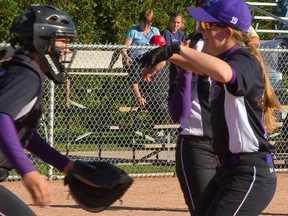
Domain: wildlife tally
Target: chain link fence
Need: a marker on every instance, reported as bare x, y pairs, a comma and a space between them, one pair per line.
275, 55
95, 116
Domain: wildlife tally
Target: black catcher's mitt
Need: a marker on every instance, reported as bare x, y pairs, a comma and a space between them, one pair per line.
97, 185
159, 54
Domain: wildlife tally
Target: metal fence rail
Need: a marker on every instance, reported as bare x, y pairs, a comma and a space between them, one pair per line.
95, 115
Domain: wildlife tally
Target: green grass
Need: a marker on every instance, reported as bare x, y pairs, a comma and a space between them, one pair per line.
135, 169
131, 169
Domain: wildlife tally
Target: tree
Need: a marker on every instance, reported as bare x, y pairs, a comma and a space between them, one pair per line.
103, 21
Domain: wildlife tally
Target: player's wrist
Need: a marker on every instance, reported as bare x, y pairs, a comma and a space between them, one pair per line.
126, 57
69, 166
175, 47
138, 96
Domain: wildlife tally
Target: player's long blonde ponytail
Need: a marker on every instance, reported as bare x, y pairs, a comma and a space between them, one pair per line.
269, 102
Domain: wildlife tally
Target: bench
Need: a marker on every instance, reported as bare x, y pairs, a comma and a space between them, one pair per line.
103, 63
269, 4
281, 154
105, 60
151, 147
268, 17
154, 148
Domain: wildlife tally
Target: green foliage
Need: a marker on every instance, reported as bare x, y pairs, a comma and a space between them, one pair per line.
81, 11
101, 21
7, 12
106, 21
115, 17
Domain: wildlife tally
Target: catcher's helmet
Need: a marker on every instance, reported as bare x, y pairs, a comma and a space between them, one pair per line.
37, 27
157, 40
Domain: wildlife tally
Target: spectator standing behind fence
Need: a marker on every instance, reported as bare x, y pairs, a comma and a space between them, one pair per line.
242, 108
173, 33
282, 11
154, 100
254, 37
21, 101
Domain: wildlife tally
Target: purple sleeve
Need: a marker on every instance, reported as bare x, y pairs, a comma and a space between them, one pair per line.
179, 102
39, 147
11, 146
233, 78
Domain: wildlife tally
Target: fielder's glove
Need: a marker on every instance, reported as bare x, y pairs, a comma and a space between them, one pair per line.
159, 54
97, 185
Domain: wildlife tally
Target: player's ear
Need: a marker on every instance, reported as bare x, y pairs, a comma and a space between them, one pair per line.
229, 32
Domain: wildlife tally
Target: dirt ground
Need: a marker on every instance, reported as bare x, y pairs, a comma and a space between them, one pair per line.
147, 196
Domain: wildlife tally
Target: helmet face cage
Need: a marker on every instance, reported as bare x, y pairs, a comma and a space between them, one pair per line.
38, 27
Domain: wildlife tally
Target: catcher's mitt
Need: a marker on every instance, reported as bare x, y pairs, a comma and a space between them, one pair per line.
97, 185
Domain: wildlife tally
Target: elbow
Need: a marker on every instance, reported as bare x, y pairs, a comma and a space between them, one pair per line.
225, 77
224, 73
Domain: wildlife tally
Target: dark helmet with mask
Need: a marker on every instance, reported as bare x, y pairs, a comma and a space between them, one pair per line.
38, 27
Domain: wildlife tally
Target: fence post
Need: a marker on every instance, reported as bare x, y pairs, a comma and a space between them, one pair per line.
50, 140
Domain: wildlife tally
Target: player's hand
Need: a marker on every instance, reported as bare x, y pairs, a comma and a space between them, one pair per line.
128, 61
69, 166
148, 73
141, 102
38, 187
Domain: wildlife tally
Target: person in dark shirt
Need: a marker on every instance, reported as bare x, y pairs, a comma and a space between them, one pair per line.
146, 96
39, 36
242, 104
173, 34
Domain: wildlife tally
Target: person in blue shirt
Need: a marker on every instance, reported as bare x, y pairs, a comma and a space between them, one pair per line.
147, 98
139, 35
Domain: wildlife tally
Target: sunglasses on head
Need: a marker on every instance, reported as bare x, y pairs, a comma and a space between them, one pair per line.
208, 25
